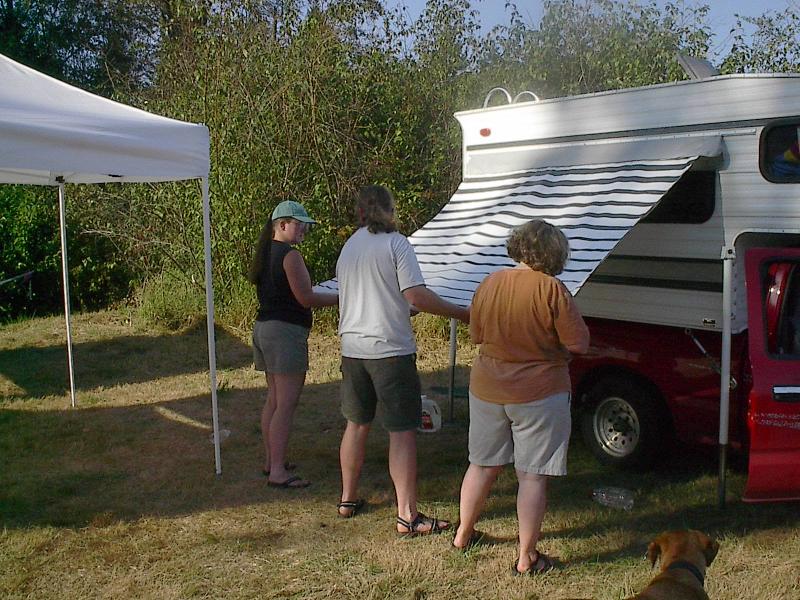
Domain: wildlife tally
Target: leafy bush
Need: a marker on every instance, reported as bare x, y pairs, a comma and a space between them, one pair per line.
170, 300
29, 230
31, 243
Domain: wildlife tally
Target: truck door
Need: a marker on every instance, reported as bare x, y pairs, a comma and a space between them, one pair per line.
773, 305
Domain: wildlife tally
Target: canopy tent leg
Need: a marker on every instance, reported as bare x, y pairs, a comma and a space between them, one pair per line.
728, 255
452, 391
212, 356
62, 209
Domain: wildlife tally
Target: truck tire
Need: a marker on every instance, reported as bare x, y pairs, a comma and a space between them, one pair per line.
620, 424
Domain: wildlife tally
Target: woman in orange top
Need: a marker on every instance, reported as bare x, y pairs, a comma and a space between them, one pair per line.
527, 325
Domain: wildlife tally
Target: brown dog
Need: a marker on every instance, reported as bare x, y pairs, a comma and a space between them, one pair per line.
685, 556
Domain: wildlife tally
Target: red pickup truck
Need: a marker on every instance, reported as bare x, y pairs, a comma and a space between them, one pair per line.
642, 384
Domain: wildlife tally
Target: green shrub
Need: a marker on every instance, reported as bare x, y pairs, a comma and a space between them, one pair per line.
29, 228
236, 304
171, 300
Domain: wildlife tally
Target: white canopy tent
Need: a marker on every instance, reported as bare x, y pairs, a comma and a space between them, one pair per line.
52, 134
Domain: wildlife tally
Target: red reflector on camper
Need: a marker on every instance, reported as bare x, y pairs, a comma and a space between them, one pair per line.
486, 132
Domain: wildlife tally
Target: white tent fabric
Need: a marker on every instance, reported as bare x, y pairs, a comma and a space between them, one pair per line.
52, 133
51, 129
595, 193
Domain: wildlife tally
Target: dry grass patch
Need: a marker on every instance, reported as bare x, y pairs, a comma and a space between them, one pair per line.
118, 498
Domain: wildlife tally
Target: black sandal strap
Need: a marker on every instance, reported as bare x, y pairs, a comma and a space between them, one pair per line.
410, 526
420, 519
351, 507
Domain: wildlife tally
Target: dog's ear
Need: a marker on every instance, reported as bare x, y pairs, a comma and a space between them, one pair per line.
653, 551
710, 546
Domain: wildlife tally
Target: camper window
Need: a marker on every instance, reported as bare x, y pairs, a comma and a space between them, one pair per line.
779, 155
690, 200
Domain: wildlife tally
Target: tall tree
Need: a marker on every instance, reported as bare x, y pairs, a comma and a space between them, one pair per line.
102, 45
586, 46
773, 46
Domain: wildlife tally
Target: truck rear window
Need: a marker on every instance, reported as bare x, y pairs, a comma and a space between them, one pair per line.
779, 154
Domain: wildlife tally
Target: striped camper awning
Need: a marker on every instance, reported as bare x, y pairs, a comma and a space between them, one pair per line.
595, 194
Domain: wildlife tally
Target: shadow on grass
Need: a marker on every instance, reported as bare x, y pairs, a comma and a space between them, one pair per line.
41, 371
679, 493
97, 466
80, 467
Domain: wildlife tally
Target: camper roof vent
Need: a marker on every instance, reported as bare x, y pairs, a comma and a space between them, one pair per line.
697, 68
507, 95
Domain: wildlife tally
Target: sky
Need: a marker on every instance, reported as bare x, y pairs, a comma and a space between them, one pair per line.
721, 16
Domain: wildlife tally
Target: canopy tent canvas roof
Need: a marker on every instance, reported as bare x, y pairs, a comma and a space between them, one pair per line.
52, 133
51, 129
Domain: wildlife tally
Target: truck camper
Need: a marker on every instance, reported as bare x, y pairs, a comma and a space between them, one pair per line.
682, 205
681, 202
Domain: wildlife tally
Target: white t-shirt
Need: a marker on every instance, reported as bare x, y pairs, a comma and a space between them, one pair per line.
373, 270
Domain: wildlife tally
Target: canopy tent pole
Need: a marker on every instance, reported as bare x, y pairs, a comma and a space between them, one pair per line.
453, 332
728, 255
65, 277
212, 357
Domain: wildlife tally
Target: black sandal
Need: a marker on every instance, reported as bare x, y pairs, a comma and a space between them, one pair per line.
352, 507
294, 482
413, 527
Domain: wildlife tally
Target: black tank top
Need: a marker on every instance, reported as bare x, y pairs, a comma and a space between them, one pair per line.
275, 297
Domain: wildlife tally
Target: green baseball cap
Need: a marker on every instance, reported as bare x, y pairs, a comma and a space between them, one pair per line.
289, 209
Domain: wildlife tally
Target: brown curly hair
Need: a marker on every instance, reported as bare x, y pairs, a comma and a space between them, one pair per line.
376, 204
540, 245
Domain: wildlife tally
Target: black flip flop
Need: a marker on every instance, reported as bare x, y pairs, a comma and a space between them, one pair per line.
287, 485
354, 506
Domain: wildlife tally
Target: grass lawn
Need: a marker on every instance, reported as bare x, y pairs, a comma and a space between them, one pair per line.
118, 497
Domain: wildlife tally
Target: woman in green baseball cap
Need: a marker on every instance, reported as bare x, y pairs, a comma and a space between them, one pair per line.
280, 333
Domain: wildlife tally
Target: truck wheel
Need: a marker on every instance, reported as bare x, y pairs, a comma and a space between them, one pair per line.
620, 424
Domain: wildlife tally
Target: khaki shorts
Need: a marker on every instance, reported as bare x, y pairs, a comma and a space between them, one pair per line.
534, 436
393, 381
280, 347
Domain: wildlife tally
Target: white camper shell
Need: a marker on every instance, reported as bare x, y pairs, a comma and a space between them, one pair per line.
667, 273
681, 202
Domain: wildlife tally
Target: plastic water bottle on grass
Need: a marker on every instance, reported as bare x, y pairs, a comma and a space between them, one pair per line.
615, 497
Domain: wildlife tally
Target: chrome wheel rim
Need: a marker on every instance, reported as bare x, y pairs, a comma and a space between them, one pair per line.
616, 427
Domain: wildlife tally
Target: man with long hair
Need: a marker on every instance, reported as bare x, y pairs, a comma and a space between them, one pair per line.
379, 277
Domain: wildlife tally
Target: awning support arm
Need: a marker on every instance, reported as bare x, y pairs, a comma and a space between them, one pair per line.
452, 392
728, 256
